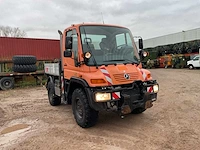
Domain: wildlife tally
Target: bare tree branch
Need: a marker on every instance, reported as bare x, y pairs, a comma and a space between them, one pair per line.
7, 31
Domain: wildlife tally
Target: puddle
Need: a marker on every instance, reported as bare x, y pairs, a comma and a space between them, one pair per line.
14, 128
18, 130
11, 134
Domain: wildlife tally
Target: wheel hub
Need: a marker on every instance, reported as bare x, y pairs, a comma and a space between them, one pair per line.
6, 83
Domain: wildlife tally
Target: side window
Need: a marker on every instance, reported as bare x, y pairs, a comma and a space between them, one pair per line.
75, 46
196, 58
73, 34
68, 34
120, 39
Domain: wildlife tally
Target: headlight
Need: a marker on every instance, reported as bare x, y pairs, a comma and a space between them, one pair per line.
102, 97
145, 54
155, 88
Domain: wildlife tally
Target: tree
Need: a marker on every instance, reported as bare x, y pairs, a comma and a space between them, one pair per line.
7, 31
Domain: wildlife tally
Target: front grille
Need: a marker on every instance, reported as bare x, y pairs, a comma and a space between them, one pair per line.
120, 77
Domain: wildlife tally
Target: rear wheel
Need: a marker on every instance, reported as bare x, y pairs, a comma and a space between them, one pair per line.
138, 110
54, 100
84, 115
7, 83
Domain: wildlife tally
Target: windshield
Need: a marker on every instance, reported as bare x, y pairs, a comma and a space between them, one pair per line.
196, 58
108, 45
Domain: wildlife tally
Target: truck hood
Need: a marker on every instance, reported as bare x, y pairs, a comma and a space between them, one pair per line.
189, 62
119, 74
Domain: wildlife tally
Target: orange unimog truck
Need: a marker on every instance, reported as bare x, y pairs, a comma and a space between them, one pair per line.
99, 70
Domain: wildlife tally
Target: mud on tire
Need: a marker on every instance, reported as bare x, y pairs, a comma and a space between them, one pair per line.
24, 60
84, 115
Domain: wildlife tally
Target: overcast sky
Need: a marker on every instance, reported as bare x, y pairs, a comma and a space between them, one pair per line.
146, 18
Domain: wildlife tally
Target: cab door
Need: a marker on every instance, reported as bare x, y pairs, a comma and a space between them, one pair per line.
71, 63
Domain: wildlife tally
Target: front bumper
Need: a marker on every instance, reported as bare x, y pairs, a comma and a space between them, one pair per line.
132, 101
131, 96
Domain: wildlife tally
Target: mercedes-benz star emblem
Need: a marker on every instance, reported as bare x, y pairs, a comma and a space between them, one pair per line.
126, 76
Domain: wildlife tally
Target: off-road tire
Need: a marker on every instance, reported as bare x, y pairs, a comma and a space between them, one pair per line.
24, 68
7, 83
84, 115
24, 60
54, 100
138, 110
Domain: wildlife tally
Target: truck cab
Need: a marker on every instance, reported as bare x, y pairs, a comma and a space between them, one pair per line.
100, 70
194, 62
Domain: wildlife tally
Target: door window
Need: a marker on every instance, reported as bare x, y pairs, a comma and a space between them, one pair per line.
196, 58
74, 49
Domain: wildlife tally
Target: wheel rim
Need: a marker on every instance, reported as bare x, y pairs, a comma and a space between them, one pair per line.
190, 67
79, 108
7, 83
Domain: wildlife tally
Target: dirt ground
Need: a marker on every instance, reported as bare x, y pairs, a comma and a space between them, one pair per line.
27, 121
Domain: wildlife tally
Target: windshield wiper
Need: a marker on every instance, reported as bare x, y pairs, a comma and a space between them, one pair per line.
130, 61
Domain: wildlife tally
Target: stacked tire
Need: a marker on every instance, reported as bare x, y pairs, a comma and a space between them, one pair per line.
24, 63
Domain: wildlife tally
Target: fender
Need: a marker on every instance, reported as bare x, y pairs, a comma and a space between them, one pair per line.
79, 81
50, 79
74, 83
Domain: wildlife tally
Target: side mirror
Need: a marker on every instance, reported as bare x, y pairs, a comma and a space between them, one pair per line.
67, 53
68, 43
140, 44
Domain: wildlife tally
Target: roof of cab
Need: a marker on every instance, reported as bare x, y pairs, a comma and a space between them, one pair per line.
96, 24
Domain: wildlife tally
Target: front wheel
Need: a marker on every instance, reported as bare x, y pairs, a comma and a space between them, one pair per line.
138, 110
84, 115
191, 67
